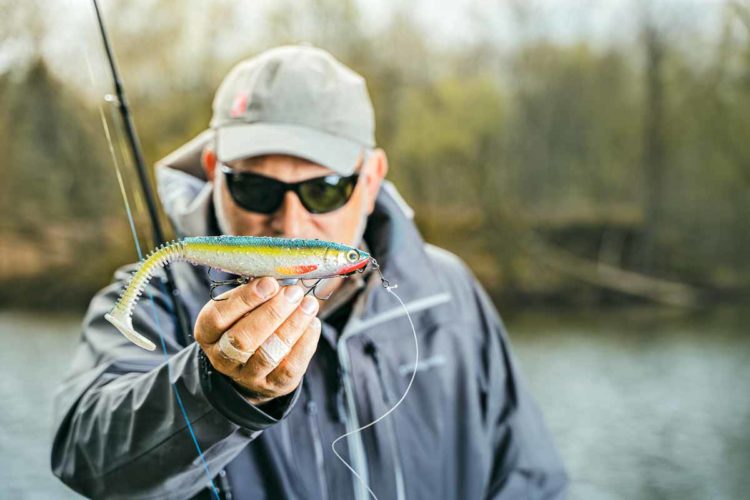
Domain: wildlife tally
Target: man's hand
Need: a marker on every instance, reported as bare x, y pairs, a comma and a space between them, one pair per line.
275, 326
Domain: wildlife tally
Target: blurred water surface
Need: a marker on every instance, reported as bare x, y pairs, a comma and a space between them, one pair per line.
643, 404
36, 353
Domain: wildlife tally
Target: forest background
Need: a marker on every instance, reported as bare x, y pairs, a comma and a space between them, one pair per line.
572, 154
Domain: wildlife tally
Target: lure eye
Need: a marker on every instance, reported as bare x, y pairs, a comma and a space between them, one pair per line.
352, 256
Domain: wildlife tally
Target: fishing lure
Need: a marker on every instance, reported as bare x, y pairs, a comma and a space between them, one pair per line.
247, 256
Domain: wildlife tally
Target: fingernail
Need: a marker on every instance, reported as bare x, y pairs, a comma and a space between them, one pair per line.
266, 287
293, 293
309, 305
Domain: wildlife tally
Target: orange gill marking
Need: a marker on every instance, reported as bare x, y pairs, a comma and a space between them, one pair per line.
295, 270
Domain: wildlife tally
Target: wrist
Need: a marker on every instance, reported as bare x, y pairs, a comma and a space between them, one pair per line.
272, 406
251, 396
227, 399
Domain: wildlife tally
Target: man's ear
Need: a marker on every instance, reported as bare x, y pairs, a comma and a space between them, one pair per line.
375, 172
208, 160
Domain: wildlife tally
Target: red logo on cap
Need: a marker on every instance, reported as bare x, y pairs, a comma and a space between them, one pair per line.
239, 105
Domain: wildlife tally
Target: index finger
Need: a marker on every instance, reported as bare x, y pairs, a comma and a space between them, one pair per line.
217, 316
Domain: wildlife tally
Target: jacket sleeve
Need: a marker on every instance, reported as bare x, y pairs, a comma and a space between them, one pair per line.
121, 416
526, 464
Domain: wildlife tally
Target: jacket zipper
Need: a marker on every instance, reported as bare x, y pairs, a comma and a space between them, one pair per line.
388, 400
311, 409
355, 327
354, 440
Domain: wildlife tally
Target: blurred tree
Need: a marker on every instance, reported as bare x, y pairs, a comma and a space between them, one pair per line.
55, 168
704, 236
575, 142
654, 161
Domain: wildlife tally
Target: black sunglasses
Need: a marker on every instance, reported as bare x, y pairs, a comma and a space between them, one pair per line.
258, 193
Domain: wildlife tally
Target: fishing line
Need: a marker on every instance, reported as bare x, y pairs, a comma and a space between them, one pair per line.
389, 288
155, 316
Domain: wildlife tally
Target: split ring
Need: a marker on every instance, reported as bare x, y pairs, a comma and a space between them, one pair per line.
231, 352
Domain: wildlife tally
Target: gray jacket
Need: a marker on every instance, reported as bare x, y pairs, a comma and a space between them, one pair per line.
468, 428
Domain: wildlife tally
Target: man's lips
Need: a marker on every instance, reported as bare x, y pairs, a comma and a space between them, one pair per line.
354, 267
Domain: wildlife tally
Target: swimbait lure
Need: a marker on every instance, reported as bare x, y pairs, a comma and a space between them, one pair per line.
246, 256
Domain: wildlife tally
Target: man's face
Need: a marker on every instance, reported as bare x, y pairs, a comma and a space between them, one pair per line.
292, 220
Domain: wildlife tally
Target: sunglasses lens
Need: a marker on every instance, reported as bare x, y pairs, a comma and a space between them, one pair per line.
255, 193
265, 195
326, 194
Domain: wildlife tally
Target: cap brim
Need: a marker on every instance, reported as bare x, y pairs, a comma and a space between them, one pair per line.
256, 139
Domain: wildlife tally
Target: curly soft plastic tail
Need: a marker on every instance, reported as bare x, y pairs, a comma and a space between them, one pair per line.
121, 315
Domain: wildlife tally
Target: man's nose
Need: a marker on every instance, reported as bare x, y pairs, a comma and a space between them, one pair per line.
288, 219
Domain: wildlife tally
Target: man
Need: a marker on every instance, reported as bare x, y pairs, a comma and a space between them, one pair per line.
273, 378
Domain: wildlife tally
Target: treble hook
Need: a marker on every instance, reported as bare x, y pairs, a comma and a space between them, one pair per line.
217, 283
314, 289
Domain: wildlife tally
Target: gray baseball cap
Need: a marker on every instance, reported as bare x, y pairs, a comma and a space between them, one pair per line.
296, 100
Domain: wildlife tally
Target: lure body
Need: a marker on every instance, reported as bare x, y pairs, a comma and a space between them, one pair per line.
249, 256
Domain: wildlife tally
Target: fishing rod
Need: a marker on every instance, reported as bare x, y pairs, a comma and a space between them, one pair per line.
182, 326
135, 148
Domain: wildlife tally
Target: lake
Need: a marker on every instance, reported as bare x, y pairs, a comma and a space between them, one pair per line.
643, 403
